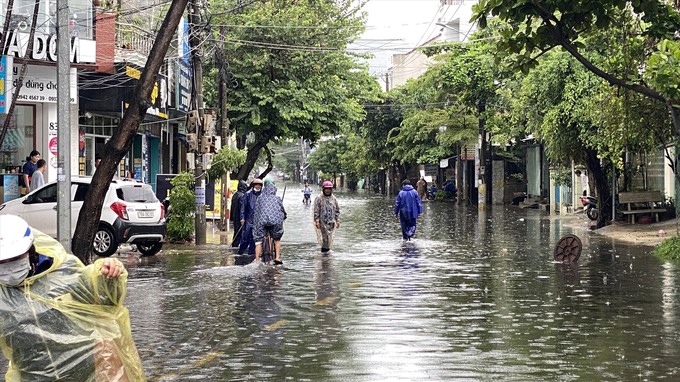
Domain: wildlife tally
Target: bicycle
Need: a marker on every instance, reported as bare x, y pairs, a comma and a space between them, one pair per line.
268, 249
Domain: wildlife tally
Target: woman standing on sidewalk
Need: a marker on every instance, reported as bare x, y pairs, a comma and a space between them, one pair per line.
326, 216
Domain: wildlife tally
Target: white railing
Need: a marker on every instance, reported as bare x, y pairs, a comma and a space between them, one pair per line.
133, 38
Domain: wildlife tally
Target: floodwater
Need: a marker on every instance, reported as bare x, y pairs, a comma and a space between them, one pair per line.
475, 297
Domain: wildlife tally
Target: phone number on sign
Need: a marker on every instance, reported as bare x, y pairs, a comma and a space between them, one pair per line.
39, 98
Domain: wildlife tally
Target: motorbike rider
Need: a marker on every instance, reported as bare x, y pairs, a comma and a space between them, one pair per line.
307, 194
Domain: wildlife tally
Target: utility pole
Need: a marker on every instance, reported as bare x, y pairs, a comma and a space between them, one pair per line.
196, 53
63, 126
224, 131
483, 170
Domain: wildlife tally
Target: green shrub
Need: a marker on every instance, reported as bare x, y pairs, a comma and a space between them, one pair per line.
669, 249
182, 208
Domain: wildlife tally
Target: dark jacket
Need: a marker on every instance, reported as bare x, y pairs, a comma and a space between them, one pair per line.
408, 203
235, 210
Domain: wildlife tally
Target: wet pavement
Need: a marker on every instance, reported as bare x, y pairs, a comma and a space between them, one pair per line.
473, 297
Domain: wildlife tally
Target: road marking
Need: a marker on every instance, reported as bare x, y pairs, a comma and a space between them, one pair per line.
193, 365
325, 301
275, 325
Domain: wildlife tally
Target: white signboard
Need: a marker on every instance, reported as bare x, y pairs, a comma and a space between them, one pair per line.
40, 84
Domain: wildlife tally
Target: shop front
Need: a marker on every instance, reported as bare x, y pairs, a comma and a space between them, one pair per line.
103, 101
33, 122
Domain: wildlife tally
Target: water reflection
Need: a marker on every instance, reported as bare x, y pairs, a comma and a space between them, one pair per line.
474, 297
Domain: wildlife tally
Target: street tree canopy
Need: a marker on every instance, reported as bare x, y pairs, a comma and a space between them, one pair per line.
537, 26
291, 74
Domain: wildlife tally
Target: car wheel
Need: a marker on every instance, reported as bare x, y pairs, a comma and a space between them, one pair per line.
104, 244
149, 249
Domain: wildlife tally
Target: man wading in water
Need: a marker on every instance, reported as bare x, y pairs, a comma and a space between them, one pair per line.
326, 213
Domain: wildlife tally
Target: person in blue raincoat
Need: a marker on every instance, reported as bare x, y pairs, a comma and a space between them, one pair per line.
247, 217
407, 207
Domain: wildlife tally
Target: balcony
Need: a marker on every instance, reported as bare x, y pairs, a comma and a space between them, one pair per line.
133, 43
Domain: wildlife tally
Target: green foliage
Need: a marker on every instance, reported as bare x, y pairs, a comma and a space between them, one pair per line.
226, 160
669, 249
327, 156
561, 176
182, 205
540, 25
294, 77
663, 72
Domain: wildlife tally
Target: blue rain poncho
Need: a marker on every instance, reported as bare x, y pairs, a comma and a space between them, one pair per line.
67, 323
408, 204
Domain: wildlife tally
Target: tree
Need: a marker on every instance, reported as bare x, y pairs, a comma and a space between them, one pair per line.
294, 78
119, 144
327, 158
537, 26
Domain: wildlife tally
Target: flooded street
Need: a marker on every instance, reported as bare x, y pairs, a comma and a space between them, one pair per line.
474, 297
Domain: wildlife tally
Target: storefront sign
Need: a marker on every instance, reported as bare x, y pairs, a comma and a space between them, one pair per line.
44, 46
40, 84
183, 89
5, 81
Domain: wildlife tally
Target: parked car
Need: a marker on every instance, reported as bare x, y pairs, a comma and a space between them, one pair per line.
130, 214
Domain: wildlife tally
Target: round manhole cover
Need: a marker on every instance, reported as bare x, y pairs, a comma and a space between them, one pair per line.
568, 249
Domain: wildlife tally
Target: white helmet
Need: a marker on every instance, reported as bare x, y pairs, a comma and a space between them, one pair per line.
16, 237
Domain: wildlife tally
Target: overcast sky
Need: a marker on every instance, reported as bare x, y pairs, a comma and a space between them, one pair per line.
397, 26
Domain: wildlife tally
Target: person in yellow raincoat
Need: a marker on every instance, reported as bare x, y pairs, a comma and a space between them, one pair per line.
61, 320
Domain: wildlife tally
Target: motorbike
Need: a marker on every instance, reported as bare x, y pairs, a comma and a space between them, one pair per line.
590, 206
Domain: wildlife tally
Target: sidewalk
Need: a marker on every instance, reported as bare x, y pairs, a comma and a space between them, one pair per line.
640, 234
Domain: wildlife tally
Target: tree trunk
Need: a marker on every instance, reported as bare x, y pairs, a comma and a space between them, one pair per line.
251, 159
24, 66
119, 144
604, 192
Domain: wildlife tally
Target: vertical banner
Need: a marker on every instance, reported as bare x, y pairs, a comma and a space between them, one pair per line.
146, 178
6, 65
52, 149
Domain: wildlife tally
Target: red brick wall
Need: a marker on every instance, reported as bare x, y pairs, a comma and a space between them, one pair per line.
105, 35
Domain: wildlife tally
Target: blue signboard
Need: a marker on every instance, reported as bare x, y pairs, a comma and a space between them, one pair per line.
183, 90
6, 63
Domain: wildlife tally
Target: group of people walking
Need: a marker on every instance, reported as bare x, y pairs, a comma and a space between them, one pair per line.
259, 211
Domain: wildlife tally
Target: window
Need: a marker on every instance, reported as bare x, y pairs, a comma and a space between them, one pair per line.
137, 194
81, 191
46, 195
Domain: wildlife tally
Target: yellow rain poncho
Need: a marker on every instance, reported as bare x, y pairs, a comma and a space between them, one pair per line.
67, 323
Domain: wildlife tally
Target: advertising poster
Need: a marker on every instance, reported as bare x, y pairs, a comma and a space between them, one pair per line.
10, 186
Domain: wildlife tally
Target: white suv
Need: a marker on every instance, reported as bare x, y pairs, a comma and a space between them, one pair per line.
131, 214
